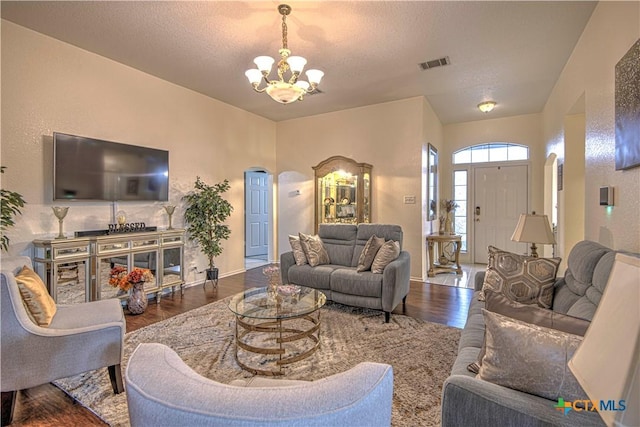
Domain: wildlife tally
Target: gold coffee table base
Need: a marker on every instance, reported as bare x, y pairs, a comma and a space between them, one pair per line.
282, 335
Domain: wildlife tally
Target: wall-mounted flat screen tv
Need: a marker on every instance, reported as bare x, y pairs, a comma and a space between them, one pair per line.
92, 169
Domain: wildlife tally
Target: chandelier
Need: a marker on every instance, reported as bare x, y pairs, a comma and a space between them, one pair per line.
283, 90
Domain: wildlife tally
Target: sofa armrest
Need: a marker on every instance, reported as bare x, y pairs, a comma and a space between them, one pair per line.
468, 401
395, 281
478, 280
286, 261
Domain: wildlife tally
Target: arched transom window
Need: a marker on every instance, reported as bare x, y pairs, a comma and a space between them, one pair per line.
493, 152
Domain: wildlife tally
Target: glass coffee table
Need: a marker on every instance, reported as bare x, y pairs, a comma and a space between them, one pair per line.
276, 328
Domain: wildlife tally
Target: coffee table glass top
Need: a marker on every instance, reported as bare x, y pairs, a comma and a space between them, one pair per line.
259, 303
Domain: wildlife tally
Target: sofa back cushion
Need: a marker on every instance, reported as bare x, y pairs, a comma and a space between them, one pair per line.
365, 231
585, 306
339, 241
581, 264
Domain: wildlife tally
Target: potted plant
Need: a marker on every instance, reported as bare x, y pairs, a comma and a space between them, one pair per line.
206, 210
10, 207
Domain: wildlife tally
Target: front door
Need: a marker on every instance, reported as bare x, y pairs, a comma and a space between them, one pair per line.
501, 195
256, 214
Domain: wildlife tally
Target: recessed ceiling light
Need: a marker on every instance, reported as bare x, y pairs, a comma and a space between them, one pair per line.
486, 106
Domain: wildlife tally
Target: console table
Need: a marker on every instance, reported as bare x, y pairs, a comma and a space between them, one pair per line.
443, 264
90, 260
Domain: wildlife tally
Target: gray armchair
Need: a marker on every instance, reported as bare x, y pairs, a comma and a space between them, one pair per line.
163, 390
80, 338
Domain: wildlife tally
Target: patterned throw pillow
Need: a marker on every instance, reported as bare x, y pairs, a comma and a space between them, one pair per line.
40, 306
298, 252
314, 250
369, 253
529, 358
387, 253
520, 278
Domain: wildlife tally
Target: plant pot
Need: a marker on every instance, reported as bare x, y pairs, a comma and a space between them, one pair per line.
212, 275
137, 301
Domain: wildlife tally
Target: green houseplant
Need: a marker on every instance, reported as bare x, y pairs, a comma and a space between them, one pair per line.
205, 213
10, 207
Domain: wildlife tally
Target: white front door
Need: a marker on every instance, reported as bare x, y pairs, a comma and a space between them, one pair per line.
501, 195
256, 214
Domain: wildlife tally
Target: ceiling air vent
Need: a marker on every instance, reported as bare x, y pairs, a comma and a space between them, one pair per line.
315, 92
434, 63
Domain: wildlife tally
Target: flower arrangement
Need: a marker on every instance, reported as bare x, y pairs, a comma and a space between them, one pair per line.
449, 205
119, 277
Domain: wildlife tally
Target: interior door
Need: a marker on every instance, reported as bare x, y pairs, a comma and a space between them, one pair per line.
501, 195
256, 214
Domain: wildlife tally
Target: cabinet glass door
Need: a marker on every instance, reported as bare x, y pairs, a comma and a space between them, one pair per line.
172, 265
103, 274
71, 284
148, 260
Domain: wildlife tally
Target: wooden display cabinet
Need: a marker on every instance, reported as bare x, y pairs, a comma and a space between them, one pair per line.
342, 191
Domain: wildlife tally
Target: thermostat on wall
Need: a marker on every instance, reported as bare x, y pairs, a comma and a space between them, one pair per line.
606, 196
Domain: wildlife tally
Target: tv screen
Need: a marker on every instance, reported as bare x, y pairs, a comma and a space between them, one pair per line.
92, 169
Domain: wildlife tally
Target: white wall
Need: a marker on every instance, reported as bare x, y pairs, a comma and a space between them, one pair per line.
611, 31
48, 86
389, 136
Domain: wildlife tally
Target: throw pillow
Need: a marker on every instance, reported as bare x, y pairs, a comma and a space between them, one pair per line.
298, 252
369, 253
314, 250
529, 358
524, 279
39, 304
389, 251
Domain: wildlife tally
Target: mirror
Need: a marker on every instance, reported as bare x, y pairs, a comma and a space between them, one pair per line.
432, 183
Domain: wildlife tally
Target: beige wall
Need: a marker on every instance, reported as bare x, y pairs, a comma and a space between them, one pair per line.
389, 136
48, 86
611, 31
571, 205
524, 129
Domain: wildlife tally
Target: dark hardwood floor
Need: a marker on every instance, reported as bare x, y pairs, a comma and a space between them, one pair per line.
46, 405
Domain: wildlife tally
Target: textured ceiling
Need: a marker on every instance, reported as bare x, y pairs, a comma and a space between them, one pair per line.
510, 52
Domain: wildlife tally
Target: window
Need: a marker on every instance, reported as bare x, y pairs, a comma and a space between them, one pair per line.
494, 152
460, 196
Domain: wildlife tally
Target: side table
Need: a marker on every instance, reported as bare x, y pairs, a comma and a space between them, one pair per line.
435, 266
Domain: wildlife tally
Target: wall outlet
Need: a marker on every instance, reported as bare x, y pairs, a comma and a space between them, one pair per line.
193, 266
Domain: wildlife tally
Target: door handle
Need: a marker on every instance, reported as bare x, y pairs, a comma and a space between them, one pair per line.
477, 210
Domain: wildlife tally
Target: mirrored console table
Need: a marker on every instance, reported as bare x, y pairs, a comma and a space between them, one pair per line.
77, 270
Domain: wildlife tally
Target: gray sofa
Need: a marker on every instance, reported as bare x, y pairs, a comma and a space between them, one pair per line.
340, 281
469, 401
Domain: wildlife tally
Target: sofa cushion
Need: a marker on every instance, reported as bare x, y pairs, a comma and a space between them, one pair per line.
365, 231
40, 306
581, 263
529, 358
349, 281
369, 253
389, 251
524, 279
314, 277
298, 252
314, 250
339, 241
498, 303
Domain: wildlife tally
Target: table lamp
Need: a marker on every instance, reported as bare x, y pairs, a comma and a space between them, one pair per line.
606, 364
533, 229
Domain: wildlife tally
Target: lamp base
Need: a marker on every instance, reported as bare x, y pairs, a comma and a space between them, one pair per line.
534, 250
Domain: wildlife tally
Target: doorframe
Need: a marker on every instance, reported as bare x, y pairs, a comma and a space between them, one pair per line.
469, 255
271, 204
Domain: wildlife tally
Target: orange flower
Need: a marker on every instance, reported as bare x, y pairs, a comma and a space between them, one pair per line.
119, 277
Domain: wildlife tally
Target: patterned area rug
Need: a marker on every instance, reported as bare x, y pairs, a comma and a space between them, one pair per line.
420, 352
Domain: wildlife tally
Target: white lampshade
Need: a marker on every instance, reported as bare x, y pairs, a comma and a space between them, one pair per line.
264, 63
253, 75
533, 229
314, 76
304, 85
296, 63
606, 364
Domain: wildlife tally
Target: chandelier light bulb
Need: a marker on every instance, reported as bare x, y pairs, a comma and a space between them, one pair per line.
287, 88
486, 106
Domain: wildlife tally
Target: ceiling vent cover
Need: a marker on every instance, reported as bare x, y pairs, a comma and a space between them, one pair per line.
440, 62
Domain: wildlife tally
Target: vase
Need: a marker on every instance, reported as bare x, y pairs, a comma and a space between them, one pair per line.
137, 301
448, 225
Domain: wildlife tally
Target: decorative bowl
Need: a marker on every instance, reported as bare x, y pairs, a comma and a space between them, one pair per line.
288, 290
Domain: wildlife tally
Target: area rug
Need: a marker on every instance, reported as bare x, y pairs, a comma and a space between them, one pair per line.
420, 352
